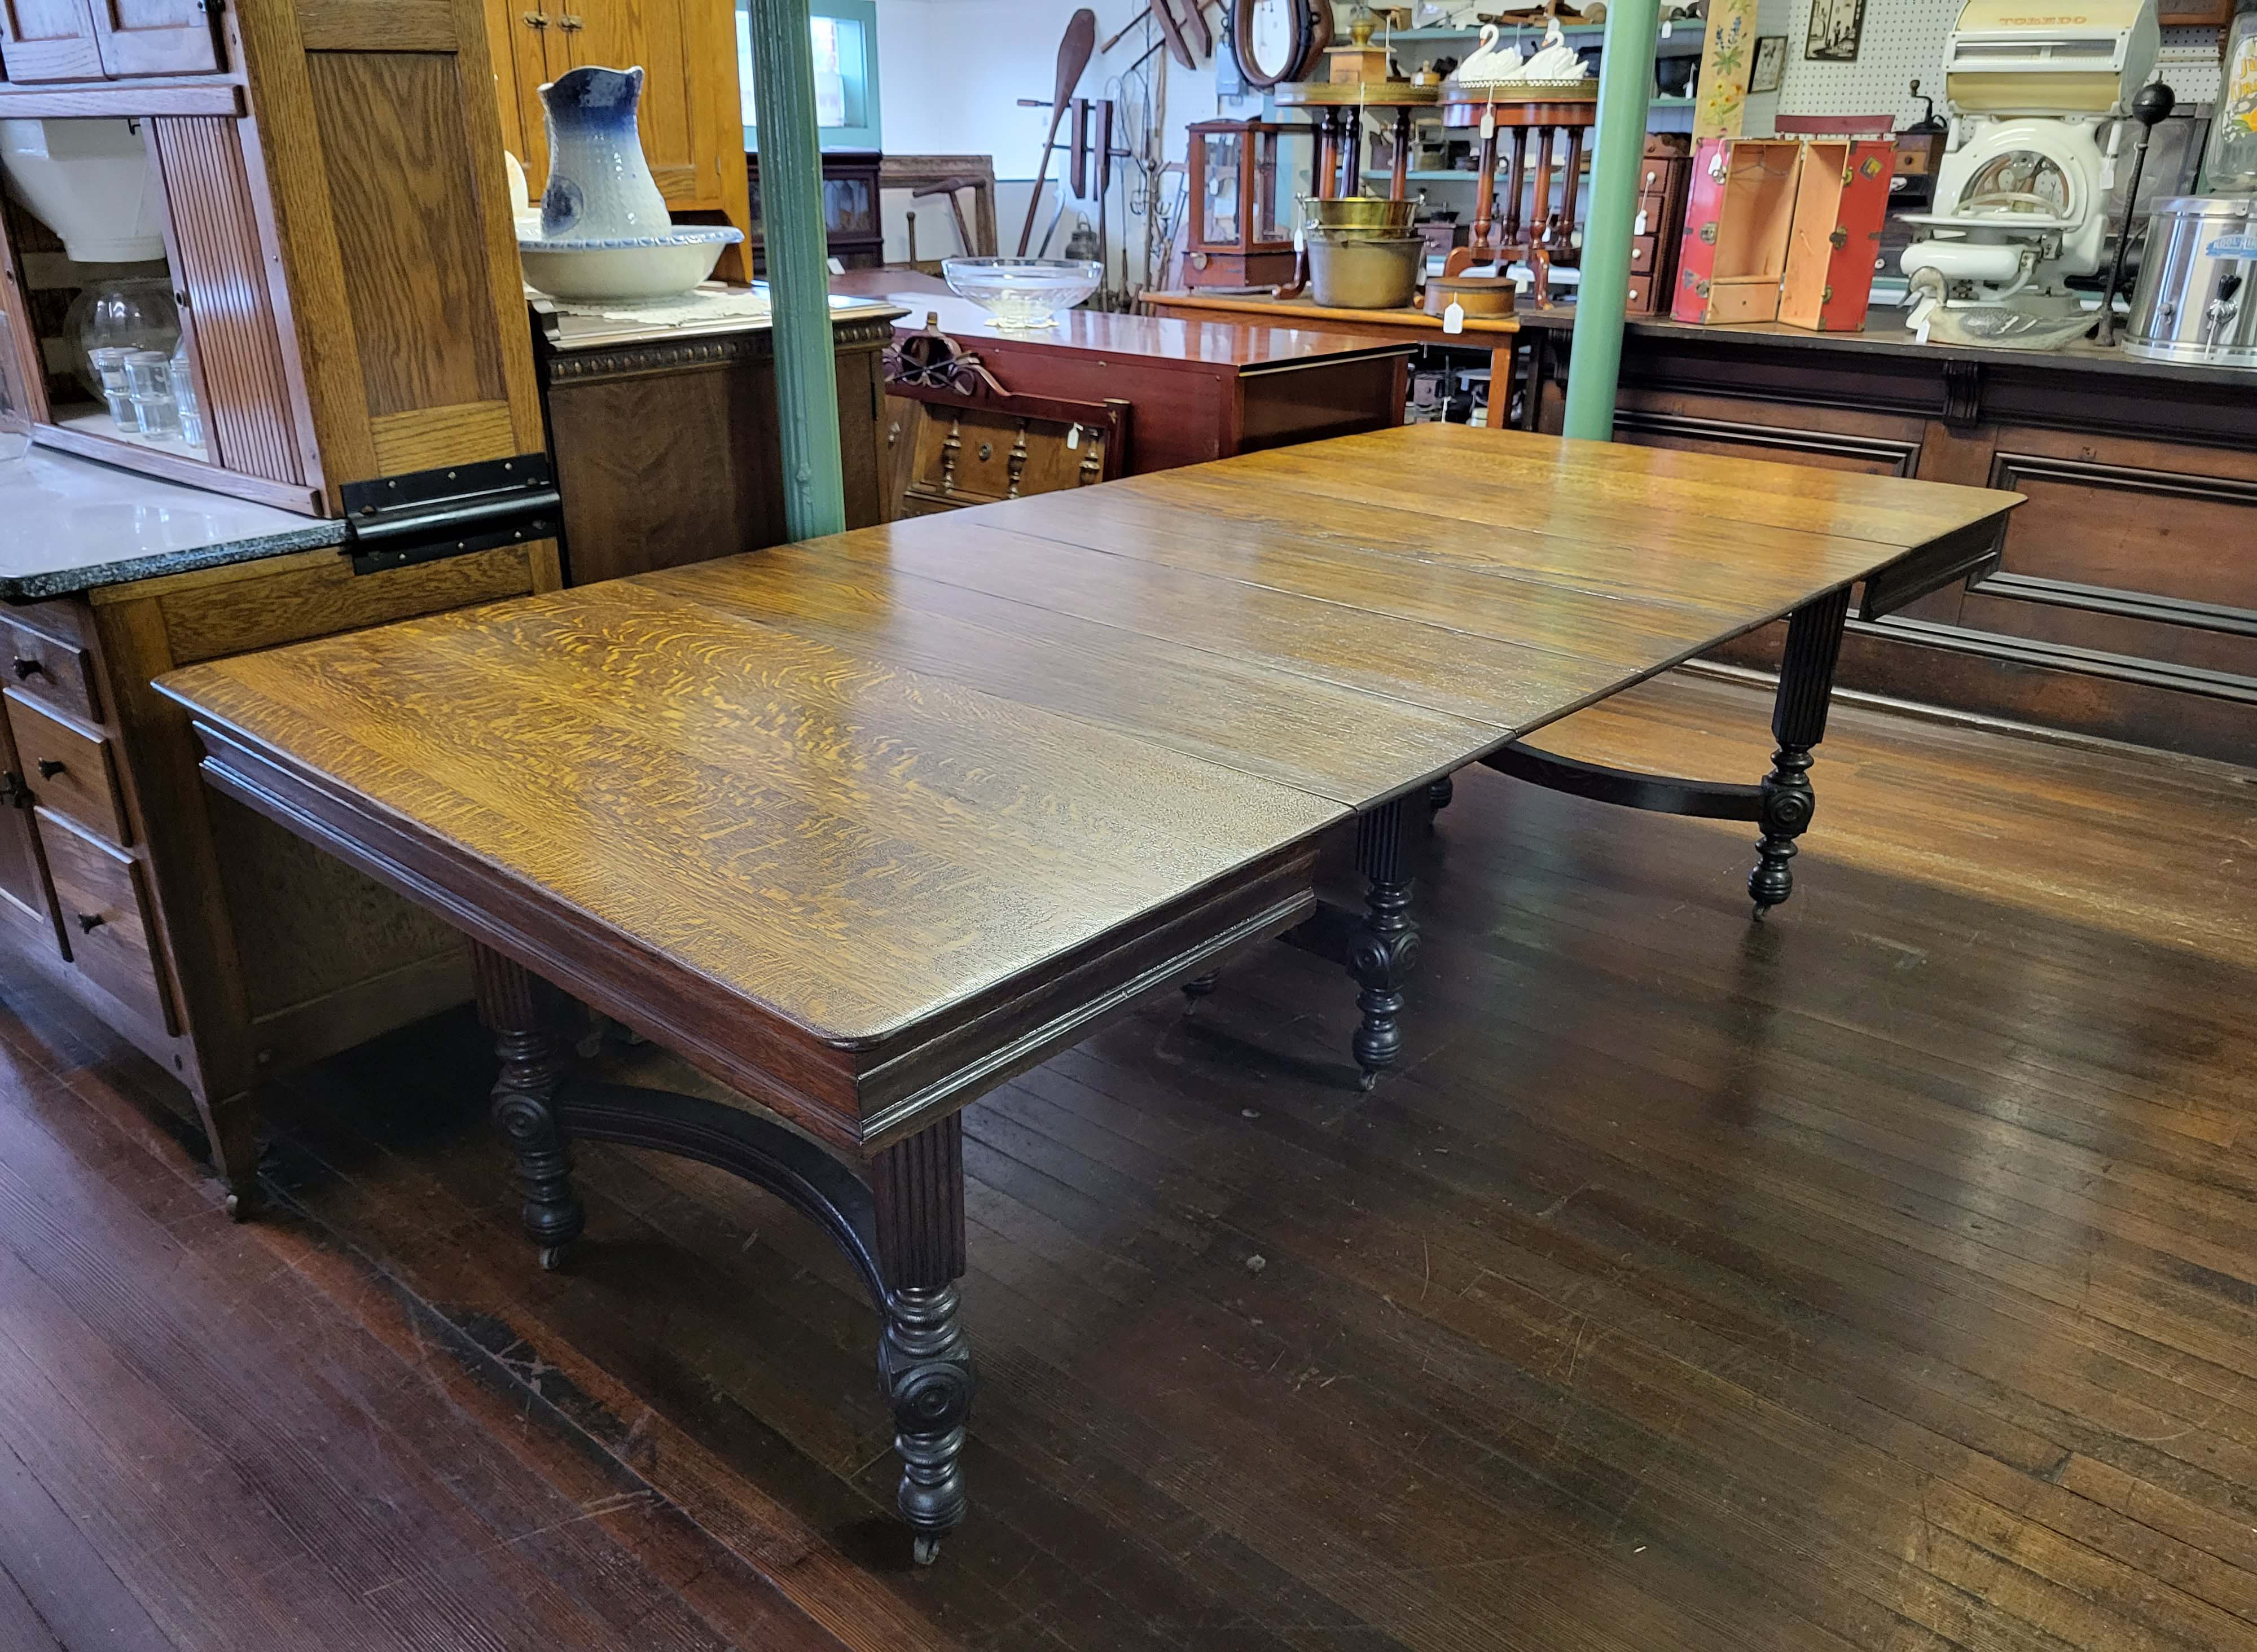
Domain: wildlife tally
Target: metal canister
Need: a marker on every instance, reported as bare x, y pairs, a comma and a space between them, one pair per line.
2194, 302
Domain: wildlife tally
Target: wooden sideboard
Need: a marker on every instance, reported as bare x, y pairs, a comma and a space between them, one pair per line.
2125, 600
666, 442
1194, 390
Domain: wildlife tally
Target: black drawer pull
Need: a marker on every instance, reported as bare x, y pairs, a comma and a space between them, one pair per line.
49, 767
26, 669
89, 922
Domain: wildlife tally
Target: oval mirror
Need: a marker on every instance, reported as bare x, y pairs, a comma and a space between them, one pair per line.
1270, 37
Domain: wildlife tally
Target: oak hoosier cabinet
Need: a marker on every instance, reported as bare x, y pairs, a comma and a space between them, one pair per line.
327, 213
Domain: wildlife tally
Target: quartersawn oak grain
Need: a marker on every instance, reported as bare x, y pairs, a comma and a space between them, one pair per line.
857, 795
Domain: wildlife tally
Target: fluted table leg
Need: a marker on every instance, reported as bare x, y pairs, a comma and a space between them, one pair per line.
918, 1186
1797, 721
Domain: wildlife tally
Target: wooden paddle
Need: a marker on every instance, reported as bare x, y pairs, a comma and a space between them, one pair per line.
1073, 56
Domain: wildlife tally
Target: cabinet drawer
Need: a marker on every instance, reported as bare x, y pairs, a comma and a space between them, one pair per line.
58, 673
1644, 249
104, 898
1642, 296
69, 769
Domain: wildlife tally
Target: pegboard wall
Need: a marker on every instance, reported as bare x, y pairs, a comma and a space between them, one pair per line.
1903, 40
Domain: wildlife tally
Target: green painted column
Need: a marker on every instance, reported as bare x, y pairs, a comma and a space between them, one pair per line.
799, 279
1602, 281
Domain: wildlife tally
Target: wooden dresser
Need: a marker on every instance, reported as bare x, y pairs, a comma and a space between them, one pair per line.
1172, 392
666, 440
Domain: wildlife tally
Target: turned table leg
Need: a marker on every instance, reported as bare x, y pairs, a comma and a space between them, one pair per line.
521, 1012
1806, 684
1512, 221
1484, 194
1381, 952
918, 1188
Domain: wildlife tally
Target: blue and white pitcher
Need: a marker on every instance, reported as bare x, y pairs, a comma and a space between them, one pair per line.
600, 186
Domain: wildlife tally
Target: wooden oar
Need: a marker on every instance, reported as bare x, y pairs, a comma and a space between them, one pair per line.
1073, 56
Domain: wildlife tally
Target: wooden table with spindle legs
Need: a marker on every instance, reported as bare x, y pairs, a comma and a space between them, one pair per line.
1547, 236
863, 826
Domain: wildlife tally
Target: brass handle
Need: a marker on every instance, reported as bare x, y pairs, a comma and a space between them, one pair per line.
49, 767
569, 22
536, 19
88, 923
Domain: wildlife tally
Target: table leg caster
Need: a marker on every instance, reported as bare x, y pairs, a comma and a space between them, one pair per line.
553, 1257
924, 1548
241, 1204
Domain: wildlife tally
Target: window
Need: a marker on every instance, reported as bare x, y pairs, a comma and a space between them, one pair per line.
846, 42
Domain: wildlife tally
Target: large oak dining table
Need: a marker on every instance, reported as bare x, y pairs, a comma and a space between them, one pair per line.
863, 826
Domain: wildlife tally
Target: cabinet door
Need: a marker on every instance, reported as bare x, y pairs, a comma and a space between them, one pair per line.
528, 51
25, 901
48, 40
156, 37
615, 34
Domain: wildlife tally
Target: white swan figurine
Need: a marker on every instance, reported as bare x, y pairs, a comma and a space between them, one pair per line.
1554, 61
1488, 66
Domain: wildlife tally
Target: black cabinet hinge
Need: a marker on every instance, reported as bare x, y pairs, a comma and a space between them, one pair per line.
448, 510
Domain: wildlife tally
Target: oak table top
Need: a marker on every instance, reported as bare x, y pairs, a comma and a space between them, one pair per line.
1239, 344
845, 820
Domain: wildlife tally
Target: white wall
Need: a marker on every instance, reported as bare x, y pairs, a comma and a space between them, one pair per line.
951, 73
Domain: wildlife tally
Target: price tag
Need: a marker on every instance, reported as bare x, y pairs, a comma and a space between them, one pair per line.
1489, 124
1299, 243
1665, 28
1638, 226
1073, 439
1453, 318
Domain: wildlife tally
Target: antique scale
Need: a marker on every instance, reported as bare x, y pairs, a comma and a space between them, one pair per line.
2039, 98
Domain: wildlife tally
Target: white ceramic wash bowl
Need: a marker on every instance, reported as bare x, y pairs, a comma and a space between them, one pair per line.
625, 268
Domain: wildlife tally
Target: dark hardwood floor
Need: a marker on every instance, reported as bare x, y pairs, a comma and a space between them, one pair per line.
1878, 1277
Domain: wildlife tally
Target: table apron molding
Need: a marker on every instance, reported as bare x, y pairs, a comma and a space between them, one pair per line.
879, 1102
585, 969
912, 1111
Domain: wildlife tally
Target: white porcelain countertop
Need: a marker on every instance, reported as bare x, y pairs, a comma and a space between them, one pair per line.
68, 525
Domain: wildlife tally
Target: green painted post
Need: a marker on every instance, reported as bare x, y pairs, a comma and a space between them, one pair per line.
799, 278
1602, 281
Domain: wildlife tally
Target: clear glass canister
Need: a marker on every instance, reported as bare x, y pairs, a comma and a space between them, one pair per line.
2230, 167
149, 381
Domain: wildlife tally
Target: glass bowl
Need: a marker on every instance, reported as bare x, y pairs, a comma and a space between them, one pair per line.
1023, 294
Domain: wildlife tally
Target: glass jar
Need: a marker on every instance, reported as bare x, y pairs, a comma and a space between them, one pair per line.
132, 313
184, 395
2230, 166
149, 381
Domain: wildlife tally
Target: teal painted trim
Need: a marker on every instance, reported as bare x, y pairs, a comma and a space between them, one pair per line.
1602, 289
861, 77
799, 277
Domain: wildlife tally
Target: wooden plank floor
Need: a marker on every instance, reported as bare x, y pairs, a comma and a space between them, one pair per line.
1878, 1277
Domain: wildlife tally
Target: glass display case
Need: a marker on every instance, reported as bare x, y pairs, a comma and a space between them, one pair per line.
1241, 193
